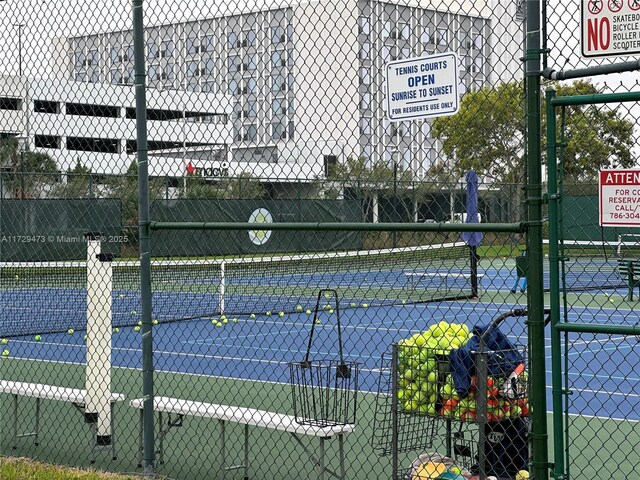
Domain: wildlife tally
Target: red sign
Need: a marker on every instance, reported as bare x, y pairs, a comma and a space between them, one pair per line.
620, 198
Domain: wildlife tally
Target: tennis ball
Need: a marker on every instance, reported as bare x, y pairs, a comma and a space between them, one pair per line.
235, 320
326, 307
223, 317
133, 312
352, 305
268, 313
522, 475
318, 322
455, 470
17, 277
5, 353
214, 321
4, 341
218, 324
299, 308
611, 300
155, 321
85, 338
224, 320
137, 328
308, 312
37, 338
116, 330
140, 323
121, 295
331, 310
70, 331
253, 315
281, 314
365, 305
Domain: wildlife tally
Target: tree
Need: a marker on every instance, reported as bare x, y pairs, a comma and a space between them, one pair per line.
31, 173
77, 185
244, 186
488, 132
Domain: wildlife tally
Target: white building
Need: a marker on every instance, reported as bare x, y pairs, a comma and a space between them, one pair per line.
305, 78
95, 125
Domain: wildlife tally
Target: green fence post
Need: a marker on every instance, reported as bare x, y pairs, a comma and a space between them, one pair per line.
143, 226
535, 292
554, 287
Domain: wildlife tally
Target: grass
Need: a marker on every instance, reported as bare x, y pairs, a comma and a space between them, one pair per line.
26, 469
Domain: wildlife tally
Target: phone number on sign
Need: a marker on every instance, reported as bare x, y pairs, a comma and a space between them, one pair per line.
624, 215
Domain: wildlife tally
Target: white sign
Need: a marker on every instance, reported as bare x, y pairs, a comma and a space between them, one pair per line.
610, 28
422, 87
620, 198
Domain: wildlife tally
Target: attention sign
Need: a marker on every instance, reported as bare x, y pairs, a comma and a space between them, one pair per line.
610, 28
620, 198
422, 87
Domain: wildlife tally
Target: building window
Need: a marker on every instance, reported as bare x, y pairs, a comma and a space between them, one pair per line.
115, 55
426, 37
386, 29
277, 35
153, 51
365, 126
115, 76
403, 31
233, 62
192, 46
166, 49
278, 107
154, 73
128, 53
93, 58
252, 132
278, 59
86, 144
365, 101
365, 48
365, 76
251, 62
168, 73
249, 38
442, 36
7, 103
233, 87
208, 43
277, 131
79, 59
192, 69
209, 87
364, 26
252, 85
46, 141
291, 131
46, 106
91, 110
277, 83
232, 40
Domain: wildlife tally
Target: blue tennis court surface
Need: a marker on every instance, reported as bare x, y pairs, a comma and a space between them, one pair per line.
259, 348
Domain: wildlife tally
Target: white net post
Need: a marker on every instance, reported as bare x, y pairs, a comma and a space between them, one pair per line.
221, 289
98, 369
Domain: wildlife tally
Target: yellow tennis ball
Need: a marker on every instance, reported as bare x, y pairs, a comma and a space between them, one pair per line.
116, 330
253, 315
5, 353
611, 300
299, 308
133, 312
224, 320
223, 317
218, 324
70, 331
155, 321
136, 328
4, 341
235, 320
281, 314
308, 312
522, 475
365, 305
318, 322
37, 338
121, 295
331, 310
268, 313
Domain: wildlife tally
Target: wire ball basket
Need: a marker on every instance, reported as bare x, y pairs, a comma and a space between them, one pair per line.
324, 391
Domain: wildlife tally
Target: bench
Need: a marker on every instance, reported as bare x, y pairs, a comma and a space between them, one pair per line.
39, 391
247, 417
629, 271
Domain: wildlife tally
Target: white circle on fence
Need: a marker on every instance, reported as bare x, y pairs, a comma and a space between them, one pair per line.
260, 215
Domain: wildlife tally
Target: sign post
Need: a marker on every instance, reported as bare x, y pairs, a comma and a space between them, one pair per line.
422, 87
610, 28
619, 198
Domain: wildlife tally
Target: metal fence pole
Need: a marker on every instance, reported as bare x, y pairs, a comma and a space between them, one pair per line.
143, 223
535, 297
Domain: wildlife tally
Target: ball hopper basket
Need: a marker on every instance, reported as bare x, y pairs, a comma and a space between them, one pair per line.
324, 390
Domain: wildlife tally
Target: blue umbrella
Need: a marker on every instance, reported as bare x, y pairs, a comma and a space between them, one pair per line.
472, 239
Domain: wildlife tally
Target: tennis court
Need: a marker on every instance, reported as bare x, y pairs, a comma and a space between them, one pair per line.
246, 357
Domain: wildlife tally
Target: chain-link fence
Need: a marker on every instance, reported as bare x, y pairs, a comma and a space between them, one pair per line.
321, 270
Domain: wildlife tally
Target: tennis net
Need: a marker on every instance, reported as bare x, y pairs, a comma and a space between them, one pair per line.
588, 266
40, 297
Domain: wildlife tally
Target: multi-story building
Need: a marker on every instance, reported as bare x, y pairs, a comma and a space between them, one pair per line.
95, 125
306, 77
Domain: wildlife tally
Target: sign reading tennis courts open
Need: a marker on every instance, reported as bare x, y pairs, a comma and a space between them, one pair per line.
620, 198
422, 87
